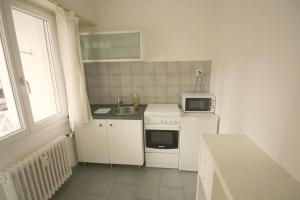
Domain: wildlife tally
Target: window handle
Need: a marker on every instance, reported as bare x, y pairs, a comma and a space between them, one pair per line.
26, 83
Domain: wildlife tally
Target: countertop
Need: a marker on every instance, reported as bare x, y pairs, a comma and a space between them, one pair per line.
248, 173
112, 113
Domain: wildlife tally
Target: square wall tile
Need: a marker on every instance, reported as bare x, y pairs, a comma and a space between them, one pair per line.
136, 68
161, 67
103, 80
185, 79
103, 68
172, 91
115, 80
115, 92
92, 80
161, 79
126, 80
126, 91
137, 80
113, 68
149, 80
139, 90
104, 92
125, 68
173, 80
161, 100
161, 92
173, 68
153, 81
147, 100
148, 68
93, 92
91, 68
149, 91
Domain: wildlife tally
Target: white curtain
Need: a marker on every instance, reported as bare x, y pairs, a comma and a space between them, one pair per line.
70, 52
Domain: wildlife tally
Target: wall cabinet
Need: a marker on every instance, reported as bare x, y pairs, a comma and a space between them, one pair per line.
111, 141
111, 46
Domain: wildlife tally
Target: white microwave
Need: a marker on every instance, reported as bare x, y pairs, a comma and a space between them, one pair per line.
198, 102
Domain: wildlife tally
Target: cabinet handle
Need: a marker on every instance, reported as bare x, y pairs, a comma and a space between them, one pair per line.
100, 124
111, 125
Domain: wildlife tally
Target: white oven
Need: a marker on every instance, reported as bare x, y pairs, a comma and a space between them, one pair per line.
161, 134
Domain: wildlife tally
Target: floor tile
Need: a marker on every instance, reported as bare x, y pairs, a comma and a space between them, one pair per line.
129, 175
101, 187
189, 192
101, 182
189, 178
110, 174
88, 197
88, 172
171, 193
171, 178
149, 176
147, 191
123, 191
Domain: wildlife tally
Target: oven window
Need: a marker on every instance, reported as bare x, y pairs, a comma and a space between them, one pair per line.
197, 104
162, 139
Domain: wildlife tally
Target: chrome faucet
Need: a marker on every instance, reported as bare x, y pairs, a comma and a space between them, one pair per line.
119, 102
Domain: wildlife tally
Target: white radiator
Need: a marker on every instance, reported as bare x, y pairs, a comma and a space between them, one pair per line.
39, 175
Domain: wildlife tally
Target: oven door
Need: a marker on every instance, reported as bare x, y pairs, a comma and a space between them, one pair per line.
161, 139
198, 105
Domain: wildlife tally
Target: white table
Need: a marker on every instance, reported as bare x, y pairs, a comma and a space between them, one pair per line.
232, 167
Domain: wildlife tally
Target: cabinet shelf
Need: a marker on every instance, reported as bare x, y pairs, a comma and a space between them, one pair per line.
111, 46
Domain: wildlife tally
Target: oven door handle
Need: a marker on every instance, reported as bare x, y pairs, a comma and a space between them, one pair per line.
157, 127
161, 146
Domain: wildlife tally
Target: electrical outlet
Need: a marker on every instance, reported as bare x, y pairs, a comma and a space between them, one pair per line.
199, 72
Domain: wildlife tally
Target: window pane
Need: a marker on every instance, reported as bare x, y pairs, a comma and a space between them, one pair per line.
34, 46
9, 119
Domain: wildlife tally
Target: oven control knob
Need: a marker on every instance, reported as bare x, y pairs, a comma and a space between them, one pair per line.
161, 121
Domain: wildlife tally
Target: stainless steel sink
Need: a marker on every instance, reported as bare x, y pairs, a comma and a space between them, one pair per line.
126, 110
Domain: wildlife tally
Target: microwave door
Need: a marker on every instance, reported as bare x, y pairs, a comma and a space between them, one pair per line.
198, 104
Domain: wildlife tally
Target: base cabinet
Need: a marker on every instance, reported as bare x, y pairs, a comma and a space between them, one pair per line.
92, 142
126, 142
111, 141
192, 126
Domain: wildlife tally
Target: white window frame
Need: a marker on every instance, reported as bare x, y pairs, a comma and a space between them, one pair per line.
12, 72
31, 127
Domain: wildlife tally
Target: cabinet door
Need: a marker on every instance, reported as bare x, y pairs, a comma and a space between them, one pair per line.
191, 129
92, 142
114, 46
126, 141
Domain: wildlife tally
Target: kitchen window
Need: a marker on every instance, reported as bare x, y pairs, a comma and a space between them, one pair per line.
32, 90
37, 64
9, 115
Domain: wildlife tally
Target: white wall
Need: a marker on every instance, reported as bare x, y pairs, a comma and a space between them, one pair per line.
256, 74
173, 29
84, 8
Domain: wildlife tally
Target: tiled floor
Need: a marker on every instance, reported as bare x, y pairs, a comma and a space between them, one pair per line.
101, 182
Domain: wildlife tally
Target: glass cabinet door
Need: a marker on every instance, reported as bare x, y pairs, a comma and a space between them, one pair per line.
111, 46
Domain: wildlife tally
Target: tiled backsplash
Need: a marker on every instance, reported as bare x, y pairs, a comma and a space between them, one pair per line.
155, 82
